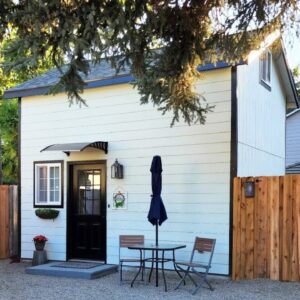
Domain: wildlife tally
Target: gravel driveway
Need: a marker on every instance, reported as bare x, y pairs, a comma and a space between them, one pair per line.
15, 284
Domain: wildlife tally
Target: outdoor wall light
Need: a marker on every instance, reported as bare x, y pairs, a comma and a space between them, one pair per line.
249, 189
117, 170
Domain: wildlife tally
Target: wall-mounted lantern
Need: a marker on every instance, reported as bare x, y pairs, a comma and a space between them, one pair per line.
117, 170
249, 189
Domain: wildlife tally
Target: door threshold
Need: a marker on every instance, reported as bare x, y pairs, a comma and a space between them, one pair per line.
86, 260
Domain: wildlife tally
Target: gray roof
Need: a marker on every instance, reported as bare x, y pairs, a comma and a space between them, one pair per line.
99, 71
101, 74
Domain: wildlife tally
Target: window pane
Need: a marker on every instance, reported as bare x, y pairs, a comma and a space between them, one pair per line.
42, 171
96, 210
52, 186
51, 172
264, 69
42, 197
97, 177
56, 172
41, 188
56, 184
89, 192
269, 61
52, 196
43, 184
56, 196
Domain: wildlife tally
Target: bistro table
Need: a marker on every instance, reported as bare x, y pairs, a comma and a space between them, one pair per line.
156, 259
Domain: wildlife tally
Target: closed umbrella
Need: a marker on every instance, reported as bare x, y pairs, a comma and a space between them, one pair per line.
157, 212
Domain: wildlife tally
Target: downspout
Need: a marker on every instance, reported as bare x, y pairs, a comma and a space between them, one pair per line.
233, 155
19, 175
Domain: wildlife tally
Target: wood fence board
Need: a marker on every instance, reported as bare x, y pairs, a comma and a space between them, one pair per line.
261, 225
294, 254
243, 216
249, 268
281, 193
287, 228
297, 208
273, 199
236, 251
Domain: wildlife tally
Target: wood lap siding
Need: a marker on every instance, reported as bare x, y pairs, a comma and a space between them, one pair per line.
266, 229
261, 123
293, 139
196, 164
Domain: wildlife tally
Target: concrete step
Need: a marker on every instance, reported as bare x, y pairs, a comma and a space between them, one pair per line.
51, 269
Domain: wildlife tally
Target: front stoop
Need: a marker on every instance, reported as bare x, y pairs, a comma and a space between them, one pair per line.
92, 273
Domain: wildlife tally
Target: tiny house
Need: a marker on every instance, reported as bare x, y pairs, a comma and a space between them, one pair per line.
68, 155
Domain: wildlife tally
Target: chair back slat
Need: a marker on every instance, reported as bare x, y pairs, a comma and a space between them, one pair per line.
130, 240
204, 244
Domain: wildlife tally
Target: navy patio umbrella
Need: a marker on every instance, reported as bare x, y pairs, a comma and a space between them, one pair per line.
157, 212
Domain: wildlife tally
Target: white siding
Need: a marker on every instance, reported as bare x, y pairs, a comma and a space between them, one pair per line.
261, 123
196, 164
293, 139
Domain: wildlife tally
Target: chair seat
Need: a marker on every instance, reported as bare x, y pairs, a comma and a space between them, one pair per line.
191, 264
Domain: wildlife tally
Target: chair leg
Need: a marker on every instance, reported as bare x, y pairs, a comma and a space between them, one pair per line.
120, 273
203, 277
143, 268
206, 281
192, 279
196, 290
183, 278
209, 285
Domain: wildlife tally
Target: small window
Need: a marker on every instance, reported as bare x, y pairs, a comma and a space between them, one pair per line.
265, 69
48, 184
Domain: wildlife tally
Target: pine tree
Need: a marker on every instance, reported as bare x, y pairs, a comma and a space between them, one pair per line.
162, 41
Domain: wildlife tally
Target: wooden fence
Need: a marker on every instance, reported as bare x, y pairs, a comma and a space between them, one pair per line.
266, 229
8, 221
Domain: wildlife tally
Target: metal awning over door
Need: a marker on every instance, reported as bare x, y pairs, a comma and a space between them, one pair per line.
77, 147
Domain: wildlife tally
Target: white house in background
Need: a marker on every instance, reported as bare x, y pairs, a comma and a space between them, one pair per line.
293, 142
244, 136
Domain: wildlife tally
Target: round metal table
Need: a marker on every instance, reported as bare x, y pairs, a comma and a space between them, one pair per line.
155, 249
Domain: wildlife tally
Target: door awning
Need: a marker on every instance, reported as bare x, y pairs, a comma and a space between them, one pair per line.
77, 147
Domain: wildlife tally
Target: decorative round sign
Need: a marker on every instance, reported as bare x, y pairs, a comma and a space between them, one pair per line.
119, 200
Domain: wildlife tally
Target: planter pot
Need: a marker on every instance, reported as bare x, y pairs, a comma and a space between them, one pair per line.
47, 213
39, 246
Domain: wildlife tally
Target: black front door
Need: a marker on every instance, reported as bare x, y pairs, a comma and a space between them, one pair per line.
88, 212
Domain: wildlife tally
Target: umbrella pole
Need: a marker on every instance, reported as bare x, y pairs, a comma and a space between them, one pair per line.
156, 243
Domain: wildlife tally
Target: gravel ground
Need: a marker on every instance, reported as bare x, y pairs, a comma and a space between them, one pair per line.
15, 284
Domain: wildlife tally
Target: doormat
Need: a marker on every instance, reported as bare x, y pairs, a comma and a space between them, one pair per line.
77, 265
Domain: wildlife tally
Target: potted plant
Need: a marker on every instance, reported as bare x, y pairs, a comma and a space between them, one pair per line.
47, 213
39, 242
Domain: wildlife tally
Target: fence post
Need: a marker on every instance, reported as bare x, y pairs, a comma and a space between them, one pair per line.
4, 222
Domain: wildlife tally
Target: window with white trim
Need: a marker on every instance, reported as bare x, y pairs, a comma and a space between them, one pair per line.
48, 184
265, 69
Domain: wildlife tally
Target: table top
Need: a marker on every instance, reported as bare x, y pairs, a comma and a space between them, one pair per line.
159, 247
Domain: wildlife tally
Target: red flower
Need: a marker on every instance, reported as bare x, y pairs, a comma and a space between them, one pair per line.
40, 238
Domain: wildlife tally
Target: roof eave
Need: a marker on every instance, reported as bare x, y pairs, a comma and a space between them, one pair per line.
127, 78
290, 75
44, 90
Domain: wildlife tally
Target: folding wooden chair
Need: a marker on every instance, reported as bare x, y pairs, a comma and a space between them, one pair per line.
202, 245
124, 242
